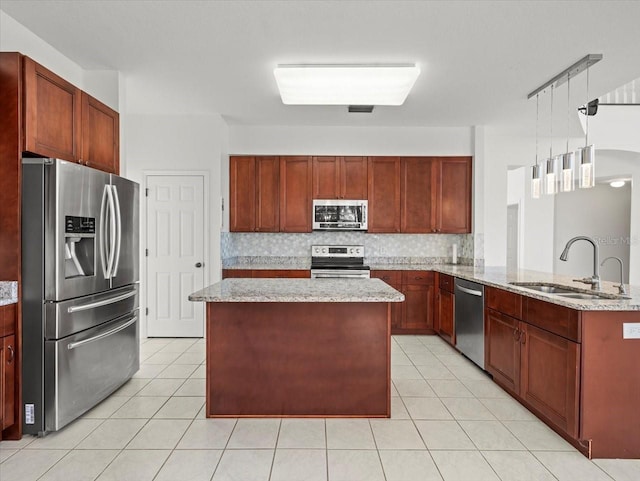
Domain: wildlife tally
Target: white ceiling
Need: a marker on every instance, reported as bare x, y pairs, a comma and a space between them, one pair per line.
479, 59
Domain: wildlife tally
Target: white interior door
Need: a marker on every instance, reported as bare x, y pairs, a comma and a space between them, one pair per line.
175, 260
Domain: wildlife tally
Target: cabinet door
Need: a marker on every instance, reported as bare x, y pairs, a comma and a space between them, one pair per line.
100, 135
550, 376
242, 194
295, 194
418, 307
417, 185
394, 279
52, 113
445, 315
326, 178
502, 349
384, 194
453, 212
8, 390
267, 194
353, 178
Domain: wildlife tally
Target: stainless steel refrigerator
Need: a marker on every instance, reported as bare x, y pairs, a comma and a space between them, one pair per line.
80, 272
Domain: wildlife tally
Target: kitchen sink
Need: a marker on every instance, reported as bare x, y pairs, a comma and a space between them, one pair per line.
566, 292
546, 288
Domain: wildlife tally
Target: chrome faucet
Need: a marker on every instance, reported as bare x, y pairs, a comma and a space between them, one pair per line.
621, 288
595, 280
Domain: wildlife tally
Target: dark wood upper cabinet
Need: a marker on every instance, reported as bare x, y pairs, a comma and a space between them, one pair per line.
267, 194
384, 194
339, 177
295, 193
453, 195
242, 193
417, 183
52, 114
100, 135
254, 194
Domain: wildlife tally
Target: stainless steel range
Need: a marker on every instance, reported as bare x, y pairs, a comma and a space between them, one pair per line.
338, 262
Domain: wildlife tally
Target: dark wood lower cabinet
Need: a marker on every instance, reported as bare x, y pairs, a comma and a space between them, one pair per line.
549, 376
502, 349
266, 273
418, 307
444, 318
7, 381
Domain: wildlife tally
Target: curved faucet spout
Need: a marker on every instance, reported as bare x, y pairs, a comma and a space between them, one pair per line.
595, 280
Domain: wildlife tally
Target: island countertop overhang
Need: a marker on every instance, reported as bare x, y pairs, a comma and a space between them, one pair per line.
298, 290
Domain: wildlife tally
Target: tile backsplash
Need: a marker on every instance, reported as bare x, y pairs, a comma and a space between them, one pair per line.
237, 245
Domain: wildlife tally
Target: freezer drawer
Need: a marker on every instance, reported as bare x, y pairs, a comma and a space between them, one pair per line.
68, 317
77, 374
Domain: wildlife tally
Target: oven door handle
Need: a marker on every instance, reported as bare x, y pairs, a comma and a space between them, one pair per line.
341, 276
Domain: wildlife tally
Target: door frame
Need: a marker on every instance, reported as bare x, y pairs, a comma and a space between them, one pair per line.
519, 226
144, 235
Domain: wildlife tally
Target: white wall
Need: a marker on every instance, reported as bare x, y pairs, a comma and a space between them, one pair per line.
602, 213
351, 140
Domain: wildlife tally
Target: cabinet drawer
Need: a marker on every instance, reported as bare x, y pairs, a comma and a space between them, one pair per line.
281, 273
231, 273
418, 277
446, 282
393, 278
557, 319
7, 319
504, 301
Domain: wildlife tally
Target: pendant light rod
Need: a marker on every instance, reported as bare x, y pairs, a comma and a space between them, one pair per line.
567, 73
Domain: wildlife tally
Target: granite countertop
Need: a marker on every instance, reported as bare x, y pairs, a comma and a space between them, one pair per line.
8, 292
298, 290
501, 278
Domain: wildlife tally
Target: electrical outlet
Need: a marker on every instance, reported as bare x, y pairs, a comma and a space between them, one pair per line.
631, 330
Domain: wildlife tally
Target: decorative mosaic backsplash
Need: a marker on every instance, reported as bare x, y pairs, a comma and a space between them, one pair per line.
393, 248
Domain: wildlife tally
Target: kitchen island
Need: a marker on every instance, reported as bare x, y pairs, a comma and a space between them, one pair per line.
298, 347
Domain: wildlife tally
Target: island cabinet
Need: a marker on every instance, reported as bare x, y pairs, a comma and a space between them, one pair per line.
64, 122
340, 178
8, 362
254, 194
444, 318
266, 273
295, 194
536, 359
415, 314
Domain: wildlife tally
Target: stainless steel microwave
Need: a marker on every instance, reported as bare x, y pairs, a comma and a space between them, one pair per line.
340, 214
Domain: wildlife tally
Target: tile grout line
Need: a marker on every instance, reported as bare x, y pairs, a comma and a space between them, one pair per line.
275, 448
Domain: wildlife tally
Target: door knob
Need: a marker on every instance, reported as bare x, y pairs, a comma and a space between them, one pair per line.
199, 264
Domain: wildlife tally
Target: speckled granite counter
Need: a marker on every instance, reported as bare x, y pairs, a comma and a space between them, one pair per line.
8, 292
501, 278
298, 290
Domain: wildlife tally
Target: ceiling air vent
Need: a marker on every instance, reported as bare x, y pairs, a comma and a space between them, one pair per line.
361, 109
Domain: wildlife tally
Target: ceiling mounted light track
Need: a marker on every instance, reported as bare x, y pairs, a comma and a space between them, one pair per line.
568, 73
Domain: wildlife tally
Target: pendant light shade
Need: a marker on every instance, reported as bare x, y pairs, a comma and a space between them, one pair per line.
551, 175
587, 164
567, 182
536, 181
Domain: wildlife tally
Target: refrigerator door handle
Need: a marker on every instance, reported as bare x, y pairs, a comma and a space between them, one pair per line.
118, 221
104, 302
73, 345
104, 208
112, 231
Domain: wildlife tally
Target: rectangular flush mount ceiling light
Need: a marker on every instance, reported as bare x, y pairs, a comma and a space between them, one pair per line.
345, 84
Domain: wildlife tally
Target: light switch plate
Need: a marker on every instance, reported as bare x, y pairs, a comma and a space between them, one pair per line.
631, 330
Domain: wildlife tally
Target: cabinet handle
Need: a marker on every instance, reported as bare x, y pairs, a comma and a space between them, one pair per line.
523, 337
516, 334
417, 278
11, 354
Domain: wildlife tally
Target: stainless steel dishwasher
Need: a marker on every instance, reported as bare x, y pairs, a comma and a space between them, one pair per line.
469, 320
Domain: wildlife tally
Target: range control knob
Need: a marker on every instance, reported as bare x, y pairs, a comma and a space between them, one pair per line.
324, 251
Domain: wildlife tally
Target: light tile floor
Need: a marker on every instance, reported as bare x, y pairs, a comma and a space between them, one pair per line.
449, 422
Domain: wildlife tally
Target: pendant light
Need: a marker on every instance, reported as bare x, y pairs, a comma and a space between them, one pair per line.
567, 183
551, 171
587, 162
536, 171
